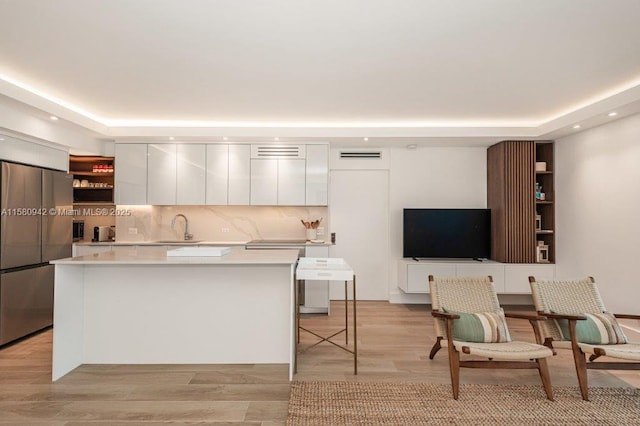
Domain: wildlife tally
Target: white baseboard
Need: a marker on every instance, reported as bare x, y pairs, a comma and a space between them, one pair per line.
424, 298
409, 299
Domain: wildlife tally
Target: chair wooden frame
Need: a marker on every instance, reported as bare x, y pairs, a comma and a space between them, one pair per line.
580, 356
455, 363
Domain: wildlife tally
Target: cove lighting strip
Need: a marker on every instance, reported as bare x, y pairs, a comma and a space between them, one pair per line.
224, 124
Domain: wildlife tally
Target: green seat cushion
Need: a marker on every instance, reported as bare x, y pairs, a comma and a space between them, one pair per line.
597, 329
484, 327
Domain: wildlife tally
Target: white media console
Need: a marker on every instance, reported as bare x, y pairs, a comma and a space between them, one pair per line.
508, 278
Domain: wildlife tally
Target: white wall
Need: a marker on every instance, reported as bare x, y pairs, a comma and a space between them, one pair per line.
431, 177
598, 210
22, 119
26, 151
423, 177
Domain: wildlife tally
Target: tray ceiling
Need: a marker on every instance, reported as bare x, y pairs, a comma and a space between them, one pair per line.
375, 68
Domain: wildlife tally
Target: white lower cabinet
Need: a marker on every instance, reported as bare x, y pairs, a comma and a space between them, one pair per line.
477, 269
83, 250
516, 275
508, 278
138, 249
316, 292
415, 278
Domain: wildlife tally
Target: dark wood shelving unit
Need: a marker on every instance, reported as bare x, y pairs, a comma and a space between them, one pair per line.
101, 183
522, 225
77, 173
545, 209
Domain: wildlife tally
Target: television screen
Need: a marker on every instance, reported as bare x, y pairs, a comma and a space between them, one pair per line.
449, 233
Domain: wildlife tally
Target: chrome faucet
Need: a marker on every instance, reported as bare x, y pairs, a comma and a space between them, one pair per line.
187, 235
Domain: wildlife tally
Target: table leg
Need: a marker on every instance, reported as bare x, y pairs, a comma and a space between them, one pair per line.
346, 315
296, 325
346, 326
297, 302
355, 330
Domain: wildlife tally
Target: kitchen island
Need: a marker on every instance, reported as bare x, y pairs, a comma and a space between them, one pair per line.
126, 307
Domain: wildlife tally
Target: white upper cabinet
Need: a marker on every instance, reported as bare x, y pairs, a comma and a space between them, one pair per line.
161, 174
131, 174
217, 175
278, 175
239, 175
264, 182
191, 175
221, 174
291, 182
317, 175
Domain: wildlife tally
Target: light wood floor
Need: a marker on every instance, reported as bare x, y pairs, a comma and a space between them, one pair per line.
394, 343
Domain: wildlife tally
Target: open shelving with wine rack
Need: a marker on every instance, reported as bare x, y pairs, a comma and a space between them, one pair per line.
93, 179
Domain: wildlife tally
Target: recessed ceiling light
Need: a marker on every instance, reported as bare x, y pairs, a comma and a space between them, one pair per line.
171, 138
225, 138
412, 146
576, 126
366, 139
54, 118
276, 139
612, 114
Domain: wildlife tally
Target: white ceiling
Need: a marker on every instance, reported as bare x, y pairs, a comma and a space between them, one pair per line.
391, 70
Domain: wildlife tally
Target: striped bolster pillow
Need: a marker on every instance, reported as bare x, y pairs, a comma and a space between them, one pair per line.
485, 327
597, 329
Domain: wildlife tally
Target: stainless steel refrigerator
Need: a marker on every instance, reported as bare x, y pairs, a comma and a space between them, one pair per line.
34, 230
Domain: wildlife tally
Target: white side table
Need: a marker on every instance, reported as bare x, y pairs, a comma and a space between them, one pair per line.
332, 269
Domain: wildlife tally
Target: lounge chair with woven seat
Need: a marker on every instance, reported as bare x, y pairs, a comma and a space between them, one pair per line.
578, 320
468, 309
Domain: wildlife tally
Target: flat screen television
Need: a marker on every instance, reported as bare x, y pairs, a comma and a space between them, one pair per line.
447, 233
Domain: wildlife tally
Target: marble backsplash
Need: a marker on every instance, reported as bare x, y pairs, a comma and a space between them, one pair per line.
94, 215
218, 223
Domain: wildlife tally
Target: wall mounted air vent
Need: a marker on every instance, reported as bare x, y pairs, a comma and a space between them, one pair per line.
361, 154
278, 151
359, 159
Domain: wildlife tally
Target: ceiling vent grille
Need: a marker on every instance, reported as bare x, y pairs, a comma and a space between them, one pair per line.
277, 151
361, 154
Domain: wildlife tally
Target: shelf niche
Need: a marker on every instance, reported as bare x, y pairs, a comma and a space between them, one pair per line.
82, 168
512, 175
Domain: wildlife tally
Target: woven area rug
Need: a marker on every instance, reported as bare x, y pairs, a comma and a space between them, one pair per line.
361, 403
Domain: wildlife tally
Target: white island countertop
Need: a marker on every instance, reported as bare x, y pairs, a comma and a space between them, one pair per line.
144, 307
238, 256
